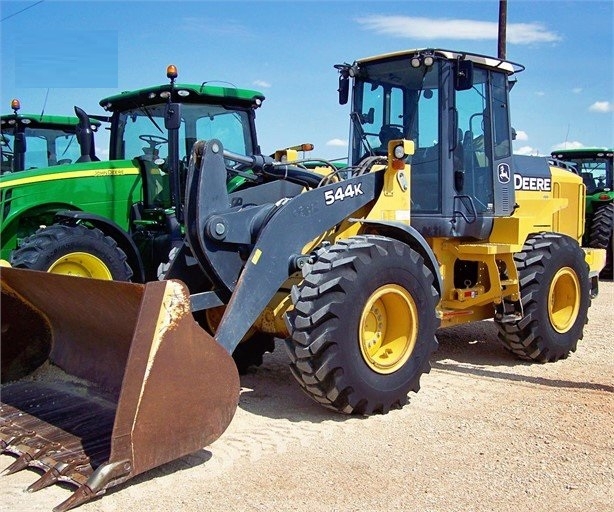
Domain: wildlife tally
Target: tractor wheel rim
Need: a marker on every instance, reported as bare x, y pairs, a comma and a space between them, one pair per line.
388, 329
564, 299
81, 264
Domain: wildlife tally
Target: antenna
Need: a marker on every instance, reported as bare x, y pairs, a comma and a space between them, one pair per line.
567, 135
44, 103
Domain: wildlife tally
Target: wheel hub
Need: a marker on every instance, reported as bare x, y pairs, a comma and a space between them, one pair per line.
388, 329
564, 299
81, 264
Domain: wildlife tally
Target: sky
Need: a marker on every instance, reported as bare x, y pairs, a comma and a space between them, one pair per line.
59, 53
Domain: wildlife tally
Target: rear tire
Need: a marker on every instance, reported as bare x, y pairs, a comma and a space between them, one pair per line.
600, 236
73, 250
555, 297
363, 325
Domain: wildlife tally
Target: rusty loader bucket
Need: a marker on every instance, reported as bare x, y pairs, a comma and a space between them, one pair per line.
104, 380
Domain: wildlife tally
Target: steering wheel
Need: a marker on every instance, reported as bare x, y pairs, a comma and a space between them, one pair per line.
153, 140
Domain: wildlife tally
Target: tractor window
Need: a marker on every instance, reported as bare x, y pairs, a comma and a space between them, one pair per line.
500, 116
66, 149
475, 123
228, 126
594, 174
425, 164
142, 133
373, 113
44, 147
37, 154
383, 115
6, 150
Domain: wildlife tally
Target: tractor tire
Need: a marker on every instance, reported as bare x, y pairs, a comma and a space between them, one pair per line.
73, 250
555, 297
600, 236
363, 326
249, 353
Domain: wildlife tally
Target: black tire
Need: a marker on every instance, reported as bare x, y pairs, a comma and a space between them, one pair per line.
555, 297
600, 236
75, 250
249, 353
339, 327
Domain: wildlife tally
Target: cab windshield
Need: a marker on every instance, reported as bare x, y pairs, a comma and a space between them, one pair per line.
596, 173
45, 147
141, 131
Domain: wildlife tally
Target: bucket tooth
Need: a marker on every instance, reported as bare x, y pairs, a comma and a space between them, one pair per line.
22, 462
82, 495
12, 436
97, 484
26, 458
50, 477
60, 471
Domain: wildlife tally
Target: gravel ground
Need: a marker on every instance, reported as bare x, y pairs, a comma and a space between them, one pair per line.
485, 433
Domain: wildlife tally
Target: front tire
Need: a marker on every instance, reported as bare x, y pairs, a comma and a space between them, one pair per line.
555, 297
363, 325
73, 250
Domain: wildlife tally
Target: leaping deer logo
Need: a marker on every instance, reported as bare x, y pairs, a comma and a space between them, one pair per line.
504, 173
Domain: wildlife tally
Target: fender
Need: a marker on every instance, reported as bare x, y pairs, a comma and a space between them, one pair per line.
109, 228
410, 236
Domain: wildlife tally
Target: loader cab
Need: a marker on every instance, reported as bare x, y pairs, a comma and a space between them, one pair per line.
34, 141
455, 109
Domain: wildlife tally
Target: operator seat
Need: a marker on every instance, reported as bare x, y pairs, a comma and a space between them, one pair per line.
386, 134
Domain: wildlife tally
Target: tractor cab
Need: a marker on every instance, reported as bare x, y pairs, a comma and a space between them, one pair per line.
454, 107
155, 128
594, 165
159, 125
33, 141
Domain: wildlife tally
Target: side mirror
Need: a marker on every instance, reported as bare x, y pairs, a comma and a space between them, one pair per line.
85, 136
344, 89
172, 116
463, 77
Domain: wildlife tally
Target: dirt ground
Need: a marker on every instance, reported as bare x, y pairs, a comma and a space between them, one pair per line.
485, 433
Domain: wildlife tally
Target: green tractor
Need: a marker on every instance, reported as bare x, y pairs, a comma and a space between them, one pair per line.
119, 219
595, 166
31, 141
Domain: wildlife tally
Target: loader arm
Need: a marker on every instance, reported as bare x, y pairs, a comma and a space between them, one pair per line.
272, 234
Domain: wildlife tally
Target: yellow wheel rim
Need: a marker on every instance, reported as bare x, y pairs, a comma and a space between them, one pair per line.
388, 329
81, 264
564, 299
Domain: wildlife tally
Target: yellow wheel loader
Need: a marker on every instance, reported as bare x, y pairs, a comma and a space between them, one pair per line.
356, 269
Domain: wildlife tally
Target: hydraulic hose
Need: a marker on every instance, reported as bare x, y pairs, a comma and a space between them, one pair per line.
270, 167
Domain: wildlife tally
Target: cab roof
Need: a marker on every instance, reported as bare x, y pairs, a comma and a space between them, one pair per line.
43, 121
184, 93
482, 60
583, 153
